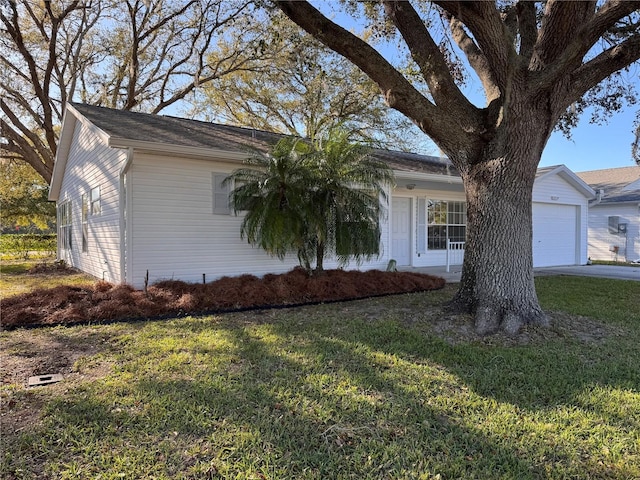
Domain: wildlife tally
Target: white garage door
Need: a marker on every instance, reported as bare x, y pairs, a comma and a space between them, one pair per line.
554, 235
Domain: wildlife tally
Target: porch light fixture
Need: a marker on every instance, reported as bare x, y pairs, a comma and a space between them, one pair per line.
411, 186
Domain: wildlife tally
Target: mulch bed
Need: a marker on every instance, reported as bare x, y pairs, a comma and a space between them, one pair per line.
106, 302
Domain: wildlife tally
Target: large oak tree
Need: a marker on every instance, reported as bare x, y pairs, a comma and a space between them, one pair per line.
534, 61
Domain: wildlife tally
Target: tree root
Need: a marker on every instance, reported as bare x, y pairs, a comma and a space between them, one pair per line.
489, 320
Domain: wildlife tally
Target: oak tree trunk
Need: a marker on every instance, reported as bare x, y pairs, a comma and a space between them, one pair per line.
497, 284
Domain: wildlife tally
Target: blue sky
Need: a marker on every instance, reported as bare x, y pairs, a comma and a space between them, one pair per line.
594, 147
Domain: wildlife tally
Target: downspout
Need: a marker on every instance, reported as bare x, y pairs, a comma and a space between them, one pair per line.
598, 199
123, 218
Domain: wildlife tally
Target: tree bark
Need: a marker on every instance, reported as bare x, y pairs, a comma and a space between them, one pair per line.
497, 284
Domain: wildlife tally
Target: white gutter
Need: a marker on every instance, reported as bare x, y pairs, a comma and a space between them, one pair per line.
123, 219
432, 177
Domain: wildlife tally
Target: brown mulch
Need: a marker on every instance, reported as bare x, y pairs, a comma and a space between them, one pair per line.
106, 302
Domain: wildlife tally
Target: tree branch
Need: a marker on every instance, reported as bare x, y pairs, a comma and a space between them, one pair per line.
527, 25
398, 92
605, 64
19, 145
490, 33
428, 57
476, 58
586, 36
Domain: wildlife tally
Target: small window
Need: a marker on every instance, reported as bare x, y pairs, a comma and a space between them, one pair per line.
95, 201
220, 194
65, 225
85, 223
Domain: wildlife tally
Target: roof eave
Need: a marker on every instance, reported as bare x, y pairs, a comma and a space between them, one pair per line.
179, 150
433, 177
69, 119
572, 178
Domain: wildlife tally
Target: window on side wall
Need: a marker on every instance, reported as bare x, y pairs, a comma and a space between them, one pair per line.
65, 225
220, 194
85, 223
96, 208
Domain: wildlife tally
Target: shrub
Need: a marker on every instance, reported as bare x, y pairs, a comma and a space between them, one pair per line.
22, 245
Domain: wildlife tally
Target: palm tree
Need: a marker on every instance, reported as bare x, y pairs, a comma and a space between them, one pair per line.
272, 191
313, 198
346, 203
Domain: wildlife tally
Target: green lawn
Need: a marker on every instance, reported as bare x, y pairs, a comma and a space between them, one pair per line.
373, 389
13, 278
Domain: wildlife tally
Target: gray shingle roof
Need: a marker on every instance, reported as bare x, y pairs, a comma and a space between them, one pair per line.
615, 183
194, 133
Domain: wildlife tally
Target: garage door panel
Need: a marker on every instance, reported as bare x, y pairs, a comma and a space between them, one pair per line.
554, 234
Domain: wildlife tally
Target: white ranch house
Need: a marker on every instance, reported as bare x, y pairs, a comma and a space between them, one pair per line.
140, 193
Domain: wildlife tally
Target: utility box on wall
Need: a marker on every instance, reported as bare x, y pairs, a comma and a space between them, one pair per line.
616, 225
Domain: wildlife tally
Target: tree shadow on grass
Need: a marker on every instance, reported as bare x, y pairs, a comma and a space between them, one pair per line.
305, 396
279, 406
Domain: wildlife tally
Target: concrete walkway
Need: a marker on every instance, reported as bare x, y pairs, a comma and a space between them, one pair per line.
602, 271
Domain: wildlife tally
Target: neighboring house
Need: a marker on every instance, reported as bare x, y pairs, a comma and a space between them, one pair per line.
614, 216
140, 193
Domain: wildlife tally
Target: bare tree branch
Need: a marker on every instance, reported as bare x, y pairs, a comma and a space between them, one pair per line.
429, 59
490, 33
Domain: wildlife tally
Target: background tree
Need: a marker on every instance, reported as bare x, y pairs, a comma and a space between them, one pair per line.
23, 198
135, 54
534, 61
313, 199
304, 90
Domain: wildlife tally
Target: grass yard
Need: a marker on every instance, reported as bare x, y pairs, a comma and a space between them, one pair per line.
14, 281
371, 389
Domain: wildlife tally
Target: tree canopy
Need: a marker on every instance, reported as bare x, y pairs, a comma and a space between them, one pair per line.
23, 198
134, 55
304, 90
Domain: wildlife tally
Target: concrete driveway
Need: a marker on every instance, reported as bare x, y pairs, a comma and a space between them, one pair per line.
602, 271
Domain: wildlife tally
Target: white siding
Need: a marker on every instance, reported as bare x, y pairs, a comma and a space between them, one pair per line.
91, 164
554, 190
175, 233
601, 240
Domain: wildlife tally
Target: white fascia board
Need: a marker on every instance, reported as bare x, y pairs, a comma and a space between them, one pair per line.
573, 180
179, 150
69, 119
432, 177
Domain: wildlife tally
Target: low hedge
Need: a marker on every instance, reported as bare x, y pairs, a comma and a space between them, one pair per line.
24, 245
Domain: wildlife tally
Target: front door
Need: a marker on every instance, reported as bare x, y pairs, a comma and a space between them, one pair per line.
401, 231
